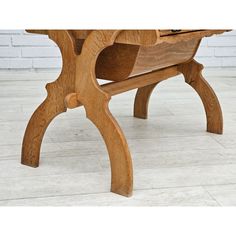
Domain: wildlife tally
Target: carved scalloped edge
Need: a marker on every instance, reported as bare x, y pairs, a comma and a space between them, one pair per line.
144, 37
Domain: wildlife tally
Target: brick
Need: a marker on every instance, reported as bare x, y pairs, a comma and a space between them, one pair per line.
229, 62
19, 49
15, 64
10, 52
225, 52
41, 52
203, 42
222, 42
28, 40
11, 32
5, 40
4, 63
42, 63
230, 33
209, 61
205, 52
20, 63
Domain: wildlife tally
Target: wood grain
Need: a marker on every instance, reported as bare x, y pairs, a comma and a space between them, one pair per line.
145, 37
163, 55
116, 62
139, 81
120, 61
142, 100
95, 101
53, 104
193, 77
130, 58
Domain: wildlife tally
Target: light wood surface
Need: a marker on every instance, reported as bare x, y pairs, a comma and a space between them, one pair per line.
120, 61
142, 58
145, 37
192, 72
54, 104
95, 102
142, 100
139, 81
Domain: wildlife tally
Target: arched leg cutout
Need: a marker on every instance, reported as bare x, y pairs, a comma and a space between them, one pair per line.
52, 106
44, 114
142, 100
120, 159
54, 103
193, 77
95, 101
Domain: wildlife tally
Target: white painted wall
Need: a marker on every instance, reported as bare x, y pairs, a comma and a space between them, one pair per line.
19, 50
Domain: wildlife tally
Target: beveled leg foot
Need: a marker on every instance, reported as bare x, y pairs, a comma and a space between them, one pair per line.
142, 100
193, 77
120, 159
54, 104
95, 102
44, 114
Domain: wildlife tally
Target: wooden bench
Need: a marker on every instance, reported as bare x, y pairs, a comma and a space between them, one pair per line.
129, 59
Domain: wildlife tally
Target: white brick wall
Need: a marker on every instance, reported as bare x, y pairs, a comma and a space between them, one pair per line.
19, 50
218, 51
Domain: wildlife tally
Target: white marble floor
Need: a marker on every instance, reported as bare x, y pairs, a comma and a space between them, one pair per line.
176, 163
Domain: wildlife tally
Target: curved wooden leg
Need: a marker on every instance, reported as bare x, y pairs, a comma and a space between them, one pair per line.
95, 101
193, 77
120, 159
36, 128
41, 118
142, 100
54, 103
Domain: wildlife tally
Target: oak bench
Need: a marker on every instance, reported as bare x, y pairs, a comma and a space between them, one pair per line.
129, 59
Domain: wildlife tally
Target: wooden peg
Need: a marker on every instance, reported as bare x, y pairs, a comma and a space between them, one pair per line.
71, 101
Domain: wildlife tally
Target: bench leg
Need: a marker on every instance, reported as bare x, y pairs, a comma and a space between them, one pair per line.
54, 104
95, 102
142, 100
120, 159
41, 118
193, 77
